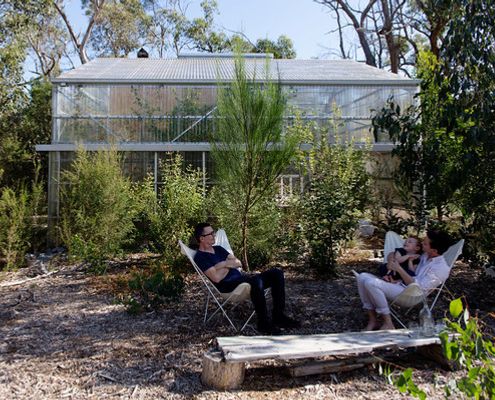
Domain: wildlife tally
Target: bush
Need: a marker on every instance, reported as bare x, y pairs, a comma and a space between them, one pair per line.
97, 211
14, 226
170, 215
151, 288
465, 345
18, 227
336, 199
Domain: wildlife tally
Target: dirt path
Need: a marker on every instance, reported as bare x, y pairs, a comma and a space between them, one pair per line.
64, 337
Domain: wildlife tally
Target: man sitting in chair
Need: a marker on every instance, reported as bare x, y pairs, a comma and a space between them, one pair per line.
222, 268
431, 272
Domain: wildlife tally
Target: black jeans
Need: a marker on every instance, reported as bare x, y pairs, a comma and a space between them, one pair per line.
274, 279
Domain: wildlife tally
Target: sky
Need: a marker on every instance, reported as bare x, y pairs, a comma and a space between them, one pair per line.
304, 21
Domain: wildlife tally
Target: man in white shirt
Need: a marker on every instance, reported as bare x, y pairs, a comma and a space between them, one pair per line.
430, 273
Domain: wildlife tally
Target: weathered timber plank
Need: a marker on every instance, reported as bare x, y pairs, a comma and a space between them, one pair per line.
325, 367
251, 348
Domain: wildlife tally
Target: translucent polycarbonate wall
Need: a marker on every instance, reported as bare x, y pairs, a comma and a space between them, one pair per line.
132, 113
159, 113
185, 115
347, 110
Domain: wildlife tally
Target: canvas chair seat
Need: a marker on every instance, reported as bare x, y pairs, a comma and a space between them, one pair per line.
239, 294
413, 294
225, 302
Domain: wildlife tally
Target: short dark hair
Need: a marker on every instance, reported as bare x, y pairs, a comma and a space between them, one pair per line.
199, 229
440, 241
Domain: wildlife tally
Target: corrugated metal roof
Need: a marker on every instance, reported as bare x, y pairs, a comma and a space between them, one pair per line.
208, 70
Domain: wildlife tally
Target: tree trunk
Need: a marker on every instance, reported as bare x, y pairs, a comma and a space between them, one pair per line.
387, 31
245, 261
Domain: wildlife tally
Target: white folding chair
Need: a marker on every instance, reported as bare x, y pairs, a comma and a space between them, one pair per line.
223, 301
413, 294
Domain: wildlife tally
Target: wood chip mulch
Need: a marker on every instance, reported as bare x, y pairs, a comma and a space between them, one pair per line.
65, 337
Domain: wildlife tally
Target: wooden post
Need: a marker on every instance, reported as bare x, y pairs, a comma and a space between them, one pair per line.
221, 375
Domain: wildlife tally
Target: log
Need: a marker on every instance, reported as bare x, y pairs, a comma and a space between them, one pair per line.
15, 283
221, 375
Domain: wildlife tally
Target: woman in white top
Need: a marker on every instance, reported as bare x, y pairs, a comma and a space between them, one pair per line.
431, 272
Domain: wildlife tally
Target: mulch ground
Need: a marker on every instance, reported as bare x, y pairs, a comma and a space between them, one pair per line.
64, 336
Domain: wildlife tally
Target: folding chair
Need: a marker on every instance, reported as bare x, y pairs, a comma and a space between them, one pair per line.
413, 294
222, 300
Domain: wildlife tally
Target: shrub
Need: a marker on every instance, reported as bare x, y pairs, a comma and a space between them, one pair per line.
97, 211
14, 226
151, 288
336, 198
170, 214
468, 349
18, 227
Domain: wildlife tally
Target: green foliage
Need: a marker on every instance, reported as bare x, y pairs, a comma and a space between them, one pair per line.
19, 209
119, 28
465, 345
470, 350
469, 57
97, 211
282, 48
264, 223
250, 150
405, 384
336, 199
14, 226
152, 287
428, 173
170, 215
20, 131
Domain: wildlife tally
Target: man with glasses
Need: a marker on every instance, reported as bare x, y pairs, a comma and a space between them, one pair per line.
222, 268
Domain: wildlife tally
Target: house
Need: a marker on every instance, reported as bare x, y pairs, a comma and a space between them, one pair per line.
147, 107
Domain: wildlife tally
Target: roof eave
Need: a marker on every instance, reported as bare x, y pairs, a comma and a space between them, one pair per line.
347, 82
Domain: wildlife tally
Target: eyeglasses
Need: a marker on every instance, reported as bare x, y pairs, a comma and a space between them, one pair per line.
212, 233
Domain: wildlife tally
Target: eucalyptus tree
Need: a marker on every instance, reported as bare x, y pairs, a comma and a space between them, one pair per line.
250, 148
391, 33
120, 28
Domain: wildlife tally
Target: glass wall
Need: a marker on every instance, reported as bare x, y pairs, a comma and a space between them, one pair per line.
151, 114
160, 113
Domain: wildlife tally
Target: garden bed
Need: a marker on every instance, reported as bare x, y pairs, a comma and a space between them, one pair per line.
64, 336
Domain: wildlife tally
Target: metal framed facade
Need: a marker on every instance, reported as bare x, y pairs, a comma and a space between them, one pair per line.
147, 108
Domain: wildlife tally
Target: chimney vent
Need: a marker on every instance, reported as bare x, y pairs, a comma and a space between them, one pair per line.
142, 53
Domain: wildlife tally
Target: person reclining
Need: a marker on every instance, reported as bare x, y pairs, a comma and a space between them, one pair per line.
407, 256
431, 272
222, 268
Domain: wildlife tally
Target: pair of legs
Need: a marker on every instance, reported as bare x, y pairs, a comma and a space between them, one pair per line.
274, 279
375, 293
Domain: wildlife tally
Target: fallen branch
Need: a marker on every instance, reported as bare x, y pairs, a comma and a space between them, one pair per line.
15, 283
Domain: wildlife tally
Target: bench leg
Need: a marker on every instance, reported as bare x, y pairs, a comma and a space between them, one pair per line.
221, 375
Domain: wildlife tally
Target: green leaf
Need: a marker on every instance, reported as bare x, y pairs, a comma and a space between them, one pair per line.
455, 308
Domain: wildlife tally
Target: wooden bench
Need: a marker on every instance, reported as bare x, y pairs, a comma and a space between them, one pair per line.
224, 366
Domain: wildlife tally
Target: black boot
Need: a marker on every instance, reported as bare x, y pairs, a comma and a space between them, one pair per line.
283, 321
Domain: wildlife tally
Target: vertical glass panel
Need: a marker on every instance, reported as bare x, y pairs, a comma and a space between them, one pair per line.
136, 165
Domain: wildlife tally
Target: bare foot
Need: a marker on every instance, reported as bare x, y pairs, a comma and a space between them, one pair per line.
387, 326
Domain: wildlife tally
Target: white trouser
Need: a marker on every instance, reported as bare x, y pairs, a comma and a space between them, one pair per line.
375, 292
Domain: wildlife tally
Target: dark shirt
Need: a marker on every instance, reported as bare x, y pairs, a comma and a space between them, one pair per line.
402, 251
206, 260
